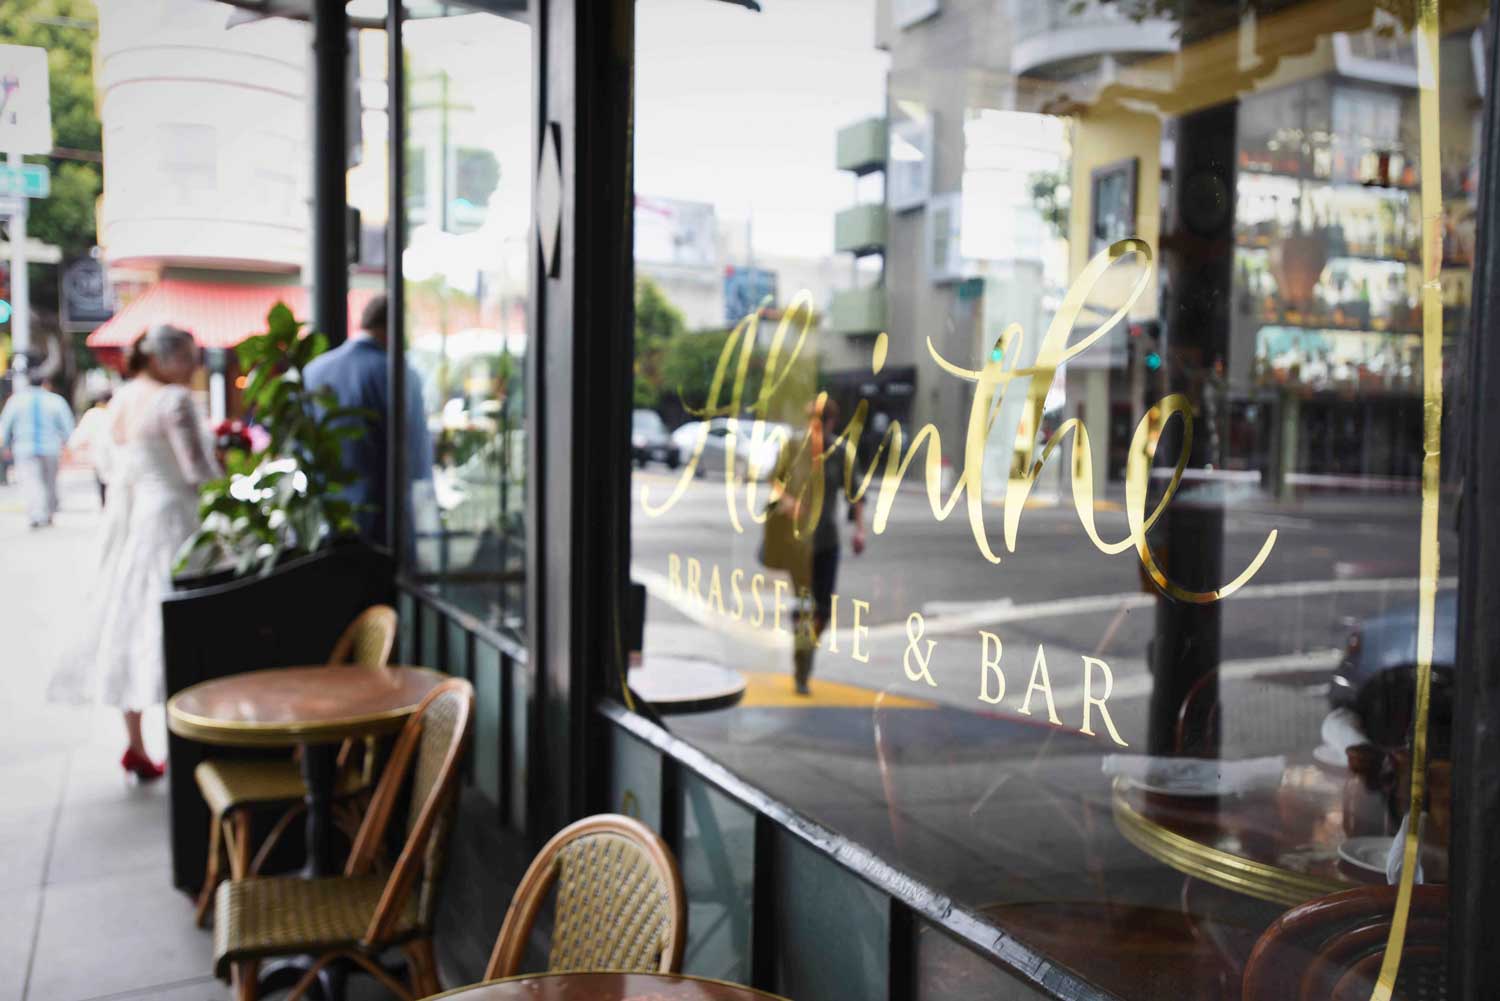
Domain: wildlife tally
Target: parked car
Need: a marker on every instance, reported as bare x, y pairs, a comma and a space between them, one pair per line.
1377, 676
649, 440
716, 445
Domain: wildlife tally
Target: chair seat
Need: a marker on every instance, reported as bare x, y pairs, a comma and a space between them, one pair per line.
285, 915
229, 783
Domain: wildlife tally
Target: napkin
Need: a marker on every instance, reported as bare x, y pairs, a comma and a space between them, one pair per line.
1341, 730
1197, 776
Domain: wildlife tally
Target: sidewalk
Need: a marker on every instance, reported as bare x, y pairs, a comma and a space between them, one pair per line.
85, 865
83, 853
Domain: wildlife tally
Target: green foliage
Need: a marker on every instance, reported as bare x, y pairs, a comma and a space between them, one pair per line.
285, 498
1051, 195
691, 359
658, 324
66, 29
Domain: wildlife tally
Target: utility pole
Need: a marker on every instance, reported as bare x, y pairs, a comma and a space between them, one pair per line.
20, 286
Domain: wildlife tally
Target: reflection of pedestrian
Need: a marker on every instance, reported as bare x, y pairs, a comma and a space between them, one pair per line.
34, 427
159, 457
90, 441
802, 535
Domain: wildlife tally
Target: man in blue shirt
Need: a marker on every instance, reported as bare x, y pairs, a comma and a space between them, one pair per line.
34, 427
357, 373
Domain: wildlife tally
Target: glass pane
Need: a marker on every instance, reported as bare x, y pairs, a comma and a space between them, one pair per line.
432, 638
457, 650
948, 971
468, 169
487, 720
1033, 402
635, 780
718, 874
832, 930
518, 744
409, 610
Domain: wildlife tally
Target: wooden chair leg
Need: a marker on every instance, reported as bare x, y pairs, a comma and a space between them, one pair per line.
300, 989
239, 855
282, 824
423, 966
211, 873
245, 977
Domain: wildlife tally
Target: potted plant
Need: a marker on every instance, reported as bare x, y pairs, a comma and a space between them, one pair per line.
286, 498
285, 571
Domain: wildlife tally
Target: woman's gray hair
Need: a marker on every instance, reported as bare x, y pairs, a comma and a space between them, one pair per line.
165, 340
161, 341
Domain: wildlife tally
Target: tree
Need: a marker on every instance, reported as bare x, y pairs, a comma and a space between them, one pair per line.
688, 371
66, 29
1051, 195
658, 326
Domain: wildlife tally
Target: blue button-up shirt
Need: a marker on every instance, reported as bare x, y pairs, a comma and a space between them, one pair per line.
357, 373
35, 422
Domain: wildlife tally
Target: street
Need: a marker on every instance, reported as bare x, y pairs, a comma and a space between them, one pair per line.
1335, 561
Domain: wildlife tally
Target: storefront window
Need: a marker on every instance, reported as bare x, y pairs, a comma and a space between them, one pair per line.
467, 200
1044, 457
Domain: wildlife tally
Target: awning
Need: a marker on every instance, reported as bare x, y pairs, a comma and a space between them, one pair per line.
217, 314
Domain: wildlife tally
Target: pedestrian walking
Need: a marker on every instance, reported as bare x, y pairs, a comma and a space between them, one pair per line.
159, 456
34, 428
802, 534
90, 442
357, 372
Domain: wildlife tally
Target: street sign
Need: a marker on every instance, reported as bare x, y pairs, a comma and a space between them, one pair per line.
25, 101
27, 180
84, 292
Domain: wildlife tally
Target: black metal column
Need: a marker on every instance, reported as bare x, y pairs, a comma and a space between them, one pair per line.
578, 537
330, 143
1474, 948
1198, 264
395, 317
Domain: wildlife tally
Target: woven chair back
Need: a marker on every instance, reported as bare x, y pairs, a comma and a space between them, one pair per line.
428, 750
368, 640
1334, 940
620, 904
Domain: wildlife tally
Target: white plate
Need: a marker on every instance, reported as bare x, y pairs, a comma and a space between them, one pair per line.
1330, 756
1187, 789
1367, 853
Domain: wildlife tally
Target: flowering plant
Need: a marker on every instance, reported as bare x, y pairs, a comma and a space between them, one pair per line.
283, 481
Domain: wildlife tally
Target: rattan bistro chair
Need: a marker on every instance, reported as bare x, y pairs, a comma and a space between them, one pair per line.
620, 904
361, 914
232, 788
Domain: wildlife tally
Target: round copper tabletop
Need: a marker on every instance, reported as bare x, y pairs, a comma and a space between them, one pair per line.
299, 705
607, 987
675, 685
1251, 843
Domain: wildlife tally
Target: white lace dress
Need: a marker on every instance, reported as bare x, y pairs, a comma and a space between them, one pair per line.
159, 457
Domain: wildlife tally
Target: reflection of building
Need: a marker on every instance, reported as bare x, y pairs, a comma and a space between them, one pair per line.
958, 247
706, 269
1323, 296
1317, 354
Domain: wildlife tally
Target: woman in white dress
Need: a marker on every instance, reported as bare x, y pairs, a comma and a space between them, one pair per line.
159, 458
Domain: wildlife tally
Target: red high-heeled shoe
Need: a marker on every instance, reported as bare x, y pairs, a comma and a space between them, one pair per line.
142, 767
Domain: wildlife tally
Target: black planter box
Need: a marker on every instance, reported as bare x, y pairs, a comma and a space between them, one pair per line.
215, 625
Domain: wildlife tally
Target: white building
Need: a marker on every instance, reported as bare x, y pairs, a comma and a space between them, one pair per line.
205, 131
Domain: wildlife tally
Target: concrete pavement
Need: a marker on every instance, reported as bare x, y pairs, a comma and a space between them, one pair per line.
84, 861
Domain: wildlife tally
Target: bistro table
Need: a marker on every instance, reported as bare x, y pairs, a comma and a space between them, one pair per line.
675, 685
1279, 845
316, 708
607, 987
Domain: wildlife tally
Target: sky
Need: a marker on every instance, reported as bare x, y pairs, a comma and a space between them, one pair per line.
741, 109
